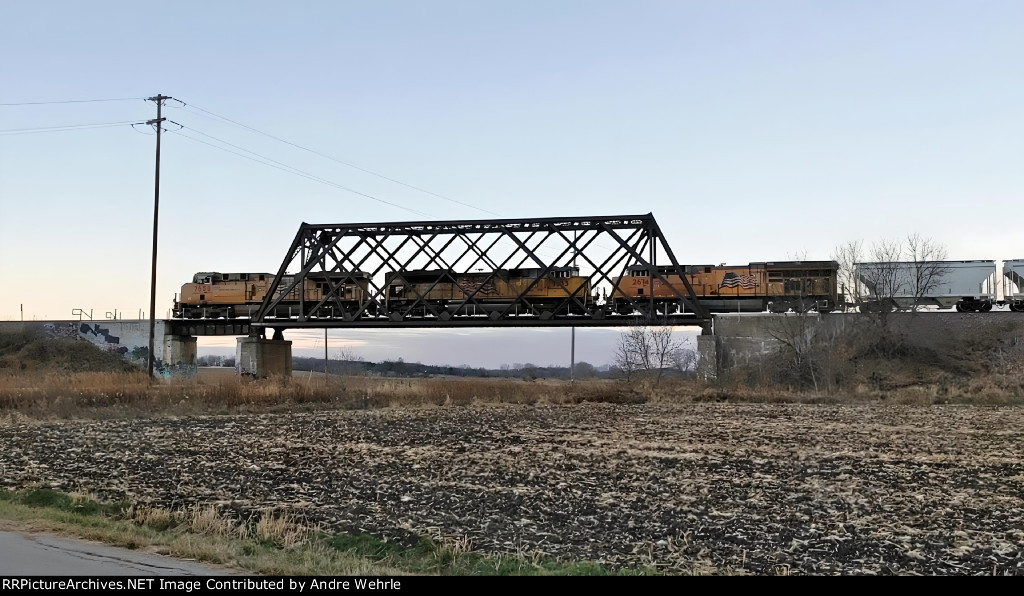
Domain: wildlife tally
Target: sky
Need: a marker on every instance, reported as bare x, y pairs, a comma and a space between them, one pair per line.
753, 131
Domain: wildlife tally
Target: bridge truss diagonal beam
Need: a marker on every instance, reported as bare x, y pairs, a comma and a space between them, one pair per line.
472, 255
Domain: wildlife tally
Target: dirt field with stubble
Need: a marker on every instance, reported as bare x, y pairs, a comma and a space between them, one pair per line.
709, 488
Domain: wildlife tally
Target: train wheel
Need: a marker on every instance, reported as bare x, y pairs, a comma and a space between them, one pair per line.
959, 307
985, 306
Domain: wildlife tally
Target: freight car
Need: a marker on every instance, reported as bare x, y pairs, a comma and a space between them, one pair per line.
1013, 284
230, 295
779, 286
968, 286
431, 293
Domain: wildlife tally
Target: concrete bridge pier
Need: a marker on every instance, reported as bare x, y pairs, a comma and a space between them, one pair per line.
707, 352
180, 354
259, 357
707, 357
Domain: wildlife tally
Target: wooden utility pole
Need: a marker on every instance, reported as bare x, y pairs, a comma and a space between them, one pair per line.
158, 124
572, 358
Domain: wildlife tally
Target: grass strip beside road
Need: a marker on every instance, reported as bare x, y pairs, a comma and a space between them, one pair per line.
266, 544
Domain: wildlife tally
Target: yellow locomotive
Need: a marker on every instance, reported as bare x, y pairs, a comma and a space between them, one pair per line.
431, 293
230, 295
800, 286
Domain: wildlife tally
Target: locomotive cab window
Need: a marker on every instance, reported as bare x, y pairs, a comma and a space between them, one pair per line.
639, 273
397, 291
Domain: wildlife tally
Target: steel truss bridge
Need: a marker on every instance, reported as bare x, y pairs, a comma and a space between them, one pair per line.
603, 248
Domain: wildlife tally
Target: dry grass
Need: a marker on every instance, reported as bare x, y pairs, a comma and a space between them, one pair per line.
202, 534
205, 519
63, 395
281, 530
268, 542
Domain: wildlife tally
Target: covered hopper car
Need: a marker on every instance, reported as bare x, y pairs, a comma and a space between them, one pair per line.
890, 285
1013, 284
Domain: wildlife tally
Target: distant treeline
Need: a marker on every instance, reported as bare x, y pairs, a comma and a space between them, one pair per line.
228, 361
400, 368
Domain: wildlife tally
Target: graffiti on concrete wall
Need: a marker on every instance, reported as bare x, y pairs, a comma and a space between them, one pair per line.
128, 339
60, 330
95, 332
103, 338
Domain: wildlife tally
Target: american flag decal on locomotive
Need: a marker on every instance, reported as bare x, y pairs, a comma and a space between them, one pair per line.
732, 280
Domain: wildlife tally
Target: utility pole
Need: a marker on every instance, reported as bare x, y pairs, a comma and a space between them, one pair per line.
572, 358
158, 123
325, 354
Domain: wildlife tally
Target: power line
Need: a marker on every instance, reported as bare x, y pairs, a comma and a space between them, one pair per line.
345, 163
303, 174
186, 106
46, 103
16, 131
262, 159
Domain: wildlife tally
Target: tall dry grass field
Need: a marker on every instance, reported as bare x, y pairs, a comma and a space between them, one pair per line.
60, 395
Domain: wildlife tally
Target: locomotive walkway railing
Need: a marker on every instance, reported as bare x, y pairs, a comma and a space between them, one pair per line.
340, 257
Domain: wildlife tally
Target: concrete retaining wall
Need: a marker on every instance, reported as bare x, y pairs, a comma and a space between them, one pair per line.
129, 339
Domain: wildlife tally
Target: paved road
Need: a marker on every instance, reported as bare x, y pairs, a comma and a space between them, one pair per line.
47, 554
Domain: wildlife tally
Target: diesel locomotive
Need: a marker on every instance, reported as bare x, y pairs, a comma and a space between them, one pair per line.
233, 295
756, 287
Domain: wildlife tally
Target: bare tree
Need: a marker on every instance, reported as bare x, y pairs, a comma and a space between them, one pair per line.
847, 255
585, 370
685, 360
797, 333
894, 275
882, 276
647, 351
901, 274
926, 268
347, 362
632, 351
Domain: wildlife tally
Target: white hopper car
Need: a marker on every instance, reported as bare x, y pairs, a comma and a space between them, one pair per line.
1013, 284
965, 285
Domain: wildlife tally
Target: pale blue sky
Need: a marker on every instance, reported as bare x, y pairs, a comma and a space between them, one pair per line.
752, 130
